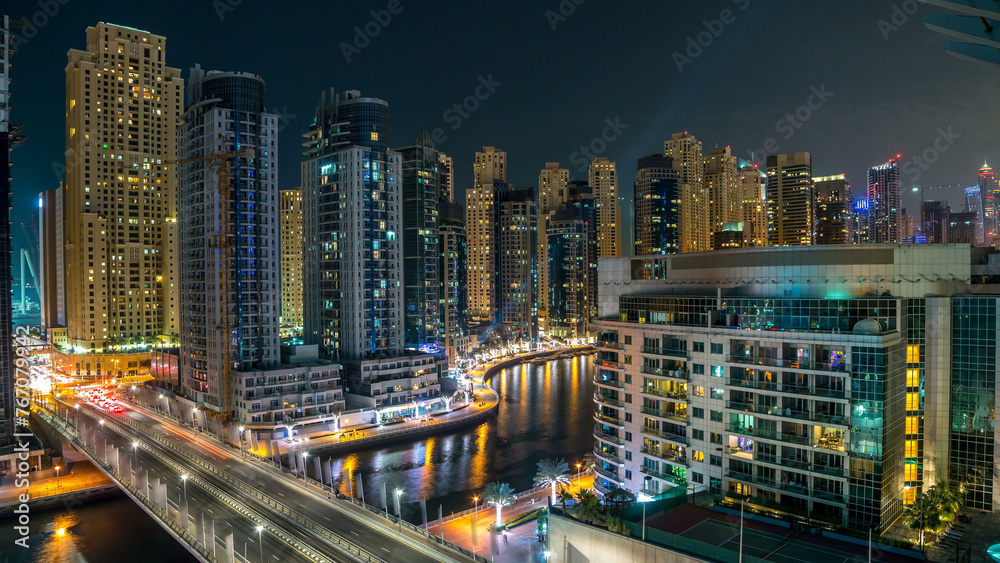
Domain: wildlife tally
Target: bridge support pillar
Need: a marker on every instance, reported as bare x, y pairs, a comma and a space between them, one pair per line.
291, 459
182, 514
230, 555
201, 528
327, 472
210, 538
316, 469
163, 496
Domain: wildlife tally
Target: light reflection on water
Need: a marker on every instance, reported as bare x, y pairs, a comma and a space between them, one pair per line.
545, 411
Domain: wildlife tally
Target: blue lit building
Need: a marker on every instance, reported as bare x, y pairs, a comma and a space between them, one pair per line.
657, 206
572, 257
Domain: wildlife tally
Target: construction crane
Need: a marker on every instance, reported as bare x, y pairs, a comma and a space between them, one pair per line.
219, 161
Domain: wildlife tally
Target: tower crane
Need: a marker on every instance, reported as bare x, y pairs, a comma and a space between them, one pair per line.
219, 161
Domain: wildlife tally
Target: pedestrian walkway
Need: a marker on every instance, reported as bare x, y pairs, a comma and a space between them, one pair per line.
82, 476
471, 531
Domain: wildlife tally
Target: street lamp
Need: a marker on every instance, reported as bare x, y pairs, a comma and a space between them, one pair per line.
742, 503
57, 475
260, 540
579, 485
135, 454
476, 500
644, 498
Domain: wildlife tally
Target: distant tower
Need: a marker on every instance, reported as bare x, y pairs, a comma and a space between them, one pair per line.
517, 266
833, 209
884, 199
685, 150
790, 199
553, 190
723, 188
480, 205
657, 206
989, 191
604, 182
974, 204
753, 212
291, 259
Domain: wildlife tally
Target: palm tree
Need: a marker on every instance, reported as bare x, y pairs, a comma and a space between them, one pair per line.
590, 506
499, 495
564, 496
552, 472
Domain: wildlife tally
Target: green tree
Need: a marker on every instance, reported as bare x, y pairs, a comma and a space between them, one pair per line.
564, 496
590, 505
498, 495
552, 472
618, 526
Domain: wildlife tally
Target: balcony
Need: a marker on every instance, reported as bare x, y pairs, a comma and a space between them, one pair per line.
608, 456
609, 364
831, 392
610, 345
601, 488
828, 496
617, 423
667, 456
668, 477
832, 470
789, 364
675, 373
672, 352
682, 397
665, 435
607, 474
606, 400
752, 384
665, 414
612, 383
607, 437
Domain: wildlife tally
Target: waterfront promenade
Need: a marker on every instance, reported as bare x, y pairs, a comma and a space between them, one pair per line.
82, 476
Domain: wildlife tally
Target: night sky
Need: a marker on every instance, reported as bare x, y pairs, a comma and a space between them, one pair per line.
888, 88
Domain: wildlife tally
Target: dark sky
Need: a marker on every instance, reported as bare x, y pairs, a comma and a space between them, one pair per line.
889, 89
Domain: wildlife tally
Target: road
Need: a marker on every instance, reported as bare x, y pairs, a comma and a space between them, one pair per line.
335, 516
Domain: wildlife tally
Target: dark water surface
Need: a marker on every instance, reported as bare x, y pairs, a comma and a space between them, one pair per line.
545, 411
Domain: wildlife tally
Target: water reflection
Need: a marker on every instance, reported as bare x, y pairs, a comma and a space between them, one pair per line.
544, 412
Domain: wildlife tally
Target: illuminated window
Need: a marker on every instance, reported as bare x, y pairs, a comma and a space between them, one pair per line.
913, 378
374, 135
912, 401
699, 391
910, 495
911, 448
910, 472
912, 424
697, 456
913, 354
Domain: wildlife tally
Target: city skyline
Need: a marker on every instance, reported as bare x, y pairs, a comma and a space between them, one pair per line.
892, 120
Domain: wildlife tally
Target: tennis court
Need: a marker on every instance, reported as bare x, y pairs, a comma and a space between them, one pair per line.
766, 546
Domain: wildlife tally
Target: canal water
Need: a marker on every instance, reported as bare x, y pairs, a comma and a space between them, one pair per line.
113, 529
545, 411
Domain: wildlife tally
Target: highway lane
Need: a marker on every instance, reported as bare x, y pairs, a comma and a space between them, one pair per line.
340, 521
226, 518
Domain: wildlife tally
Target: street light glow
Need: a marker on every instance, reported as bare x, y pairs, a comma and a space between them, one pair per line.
260, 529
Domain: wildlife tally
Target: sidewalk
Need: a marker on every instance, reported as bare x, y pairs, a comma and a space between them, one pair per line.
522, 543
82, 476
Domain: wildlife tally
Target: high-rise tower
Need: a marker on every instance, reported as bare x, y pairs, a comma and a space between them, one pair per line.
723, 188
480, 204
833, 209
291, 260
686, 151
8, 138
553, 190
229, 287
604, 182
657, 206
790, 199
989, 190
884, 200
122, 107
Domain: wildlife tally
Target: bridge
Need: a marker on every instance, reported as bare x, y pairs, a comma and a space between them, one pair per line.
223, 507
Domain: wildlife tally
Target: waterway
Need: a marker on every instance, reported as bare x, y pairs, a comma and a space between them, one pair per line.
545, 411
113, 529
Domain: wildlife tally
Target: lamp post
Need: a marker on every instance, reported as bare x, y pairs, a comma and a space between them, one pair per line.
476, 500
260, 540
742, 503
57, 475
135, 455
644, 498
579, 484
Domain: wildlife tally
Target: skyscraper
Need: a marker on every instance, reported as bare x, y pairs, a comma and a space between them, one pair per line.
884, 199
723, 187
422, 179
753, 214
604, 182
122, 107
229, 239
480, 204
974, 204
517, 262
962, 228
51, 263
446, 166
657, 206
572, 256
353, 296
833, 209
686, 151
989, 191
937, 220
7, 135
454, 305
790, 199
553, 190
291, 260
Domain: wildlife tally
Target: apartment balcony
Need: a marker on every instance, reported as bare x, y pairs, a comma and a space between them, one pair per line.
616, 422
607, 456
752, 384
661, 372
601, 488
668, 415
666, 456
609, 383
758, 432
609, 345
831, 470
652, 391
605, 400
607, 474
668, 477
827, 496
609, 364
669, 436
607, 437
669, 352
789, 364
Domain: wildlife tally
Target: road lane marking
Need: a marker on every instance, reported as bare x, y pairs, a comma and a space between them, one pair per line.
327, 519
385, 550
355, 533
